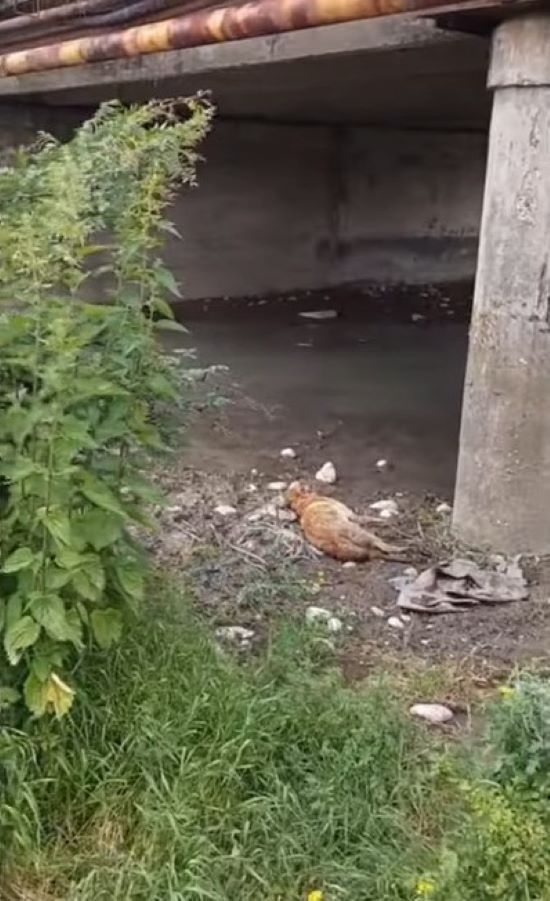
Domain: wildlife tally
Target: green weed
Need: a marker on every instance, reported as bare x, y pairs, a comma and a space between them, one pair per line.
183, 775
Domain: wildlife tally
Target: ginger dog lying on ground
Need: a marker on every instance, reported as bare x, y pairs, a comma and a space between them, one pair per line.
336, 530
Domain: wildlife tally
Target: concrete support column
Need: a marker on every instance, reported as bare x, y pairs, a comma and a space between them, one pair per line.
503, 482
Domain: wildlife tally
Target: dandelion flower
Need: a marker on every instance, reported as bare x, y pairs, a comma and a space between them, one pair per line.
506, 691
425, 888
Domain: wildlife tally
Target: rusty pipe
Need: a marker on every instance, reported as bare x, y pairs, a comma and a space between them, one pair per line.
37, 31
56, 14
82, 14
229, 23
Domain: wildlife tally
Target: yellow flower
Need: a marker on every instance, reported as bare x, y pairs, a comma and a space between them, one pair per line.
58, 696
315, 895
506, 691
424, 888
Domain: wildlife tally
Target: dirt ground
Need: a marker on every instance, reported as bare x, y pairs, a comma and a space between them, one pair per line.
382, 379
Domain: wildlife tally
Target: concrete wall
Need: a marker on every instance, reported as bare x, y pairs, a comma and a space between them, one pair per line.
20, 123
283, 207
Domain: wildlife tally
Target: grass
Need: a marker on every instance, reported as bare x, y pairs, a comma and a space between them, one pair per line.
184, 774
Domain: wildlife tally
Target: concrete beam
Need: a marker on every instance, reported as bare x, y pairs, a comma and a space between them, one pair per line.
503, 482
373, 36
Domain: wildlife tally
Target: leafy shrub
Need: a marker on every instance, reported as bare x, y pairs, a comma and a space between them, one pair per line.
502, 850
80, 382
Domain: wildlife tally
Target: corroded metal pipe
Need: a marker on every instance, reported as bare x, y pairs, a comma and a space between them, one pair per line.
85, 14
229, 23
37, 29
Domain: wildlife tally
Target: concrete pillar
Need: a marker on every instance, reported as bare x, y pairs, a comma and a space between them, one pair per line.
502, 495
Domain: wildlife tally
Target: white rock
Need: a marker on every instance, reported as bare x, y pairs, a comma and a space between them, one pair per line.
251, 488
377, 611
225, 510
235, 634
319, 314
432, 713
349, 564
317, 615
334, 624
405, 617
386, 509
288, 453
382, 464
276, 486
286, 515
417, 317
410, 572
396, 623
444, 508
327, 474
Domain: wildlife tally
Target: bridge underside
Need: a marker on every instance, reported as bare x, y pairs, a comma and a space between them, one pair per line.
357, 152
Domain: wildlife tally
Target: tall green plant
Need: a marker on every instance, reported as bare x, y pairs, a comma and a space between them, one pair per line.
80, 382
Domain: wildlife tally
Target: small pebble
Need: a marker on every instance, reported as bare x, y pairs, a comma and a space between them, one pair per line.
396, 623
410, 572
386, 508
334, 624
349, 564
326, 474
377, 611
432, 713
444, 508
288, 453
276, 486
225, 510
382, 464
234, 633
286, 515
317, 615
319, 314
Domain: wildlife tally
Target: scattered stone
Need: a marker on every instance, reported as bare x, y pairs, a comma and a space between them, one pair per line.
319, 315
382, 464
288, 453
225, 510
334, 624
417, 317
437, 714
286, 515
276, 486
251, 488
317, 615
327, 474
172, 510
396, 623
405, 617
385, 509
235, 634
377, 611
272, 511
410, 572
349, 564
444, 508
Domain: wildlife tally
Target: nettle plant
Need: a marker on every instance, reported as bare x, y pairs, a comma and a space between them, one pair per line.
81, 383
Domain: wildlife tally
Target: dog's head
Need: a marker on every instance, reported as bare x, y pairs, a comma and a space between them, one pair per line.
298, 495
